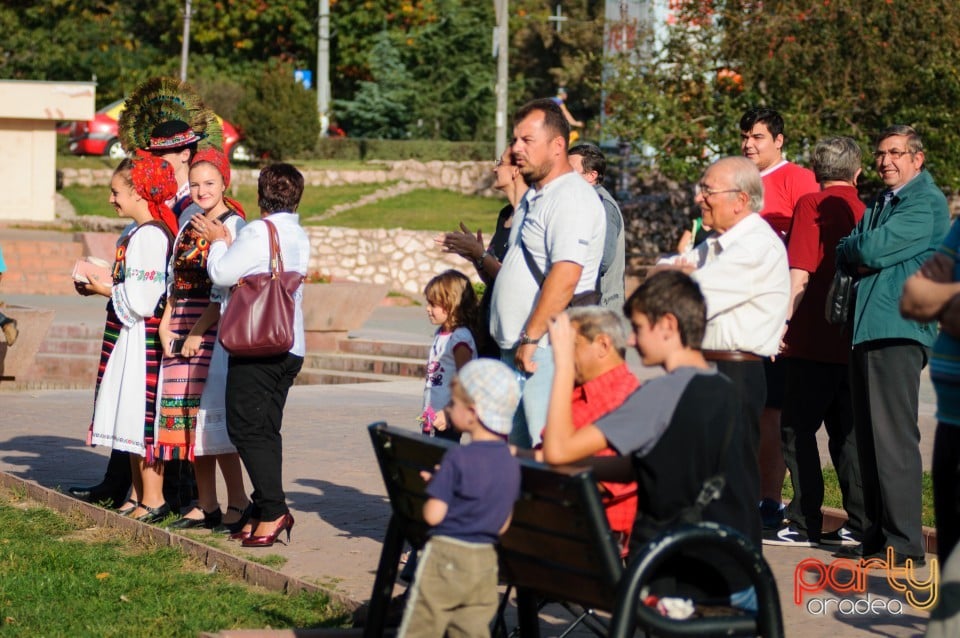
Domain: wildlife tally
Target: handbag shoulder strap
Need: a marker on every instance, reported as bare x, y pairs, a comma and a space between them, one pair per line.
276, 257
531, 264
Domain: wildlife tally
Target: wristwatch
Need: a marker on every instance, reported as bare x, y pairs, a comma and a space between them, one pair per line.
526, 339
479, 260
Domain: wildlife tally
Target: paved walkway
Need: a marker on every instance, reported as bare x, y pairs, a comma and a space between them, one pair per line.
335, 491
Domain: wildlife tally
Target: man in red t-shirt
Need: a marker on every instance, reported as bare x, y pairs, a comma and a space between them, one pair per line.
784, 183
603, 383
816, 354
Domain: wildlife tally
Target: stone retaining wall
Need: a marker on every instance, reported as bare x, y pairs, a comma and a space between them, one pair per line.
405, 260
470, 178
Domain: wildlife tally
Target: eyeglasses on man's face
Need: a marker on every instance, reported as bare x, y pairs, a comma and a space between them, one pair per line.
894, 154
706, 191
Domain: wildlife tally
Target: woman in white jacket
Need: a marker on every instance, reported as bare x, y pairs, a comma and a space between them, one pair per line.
257, 387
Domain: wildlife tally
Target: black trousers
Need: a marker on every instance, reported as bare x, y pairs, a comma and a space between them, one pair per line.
256, 394
885, 387
750, 388
946, 488
819, 393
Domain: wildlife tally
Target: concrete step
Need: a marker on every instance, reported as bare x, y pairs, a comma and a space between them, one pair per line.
418, 351
376, 364
321, 376
60, 370
59, 346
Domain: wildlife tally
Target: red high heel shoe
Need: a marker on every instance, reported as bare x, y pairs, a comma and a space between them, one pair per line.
286, 523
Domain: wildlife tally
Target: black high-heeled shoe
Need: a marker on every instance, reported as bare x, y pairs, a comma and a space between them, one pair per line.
237, 525
209, 520
286, 523
154, 514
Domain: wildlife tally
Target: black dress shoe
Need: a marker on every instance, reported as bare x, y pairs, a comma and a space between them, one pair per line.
83, 493
154, 514
99, 494
856, 552
900, 560
210, 520
237, 525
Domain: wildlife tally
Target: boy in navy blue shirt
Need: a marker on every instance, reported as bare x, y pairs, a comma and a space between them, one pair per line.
471, 500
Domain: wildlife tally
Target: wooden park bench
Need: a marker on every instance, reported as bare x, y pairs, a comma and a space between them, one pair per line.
559, 547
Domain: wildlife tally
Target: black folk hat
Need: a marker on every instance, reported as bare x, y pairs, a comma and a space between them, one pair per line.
172, 135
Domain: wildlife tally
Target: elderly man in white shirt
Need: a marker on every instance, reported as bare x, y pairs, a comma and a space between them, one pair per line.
743, 273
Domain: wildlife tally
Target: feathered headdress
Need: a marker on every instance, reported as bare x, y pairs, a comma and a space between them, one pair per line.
222, 164
154, 180
160, 100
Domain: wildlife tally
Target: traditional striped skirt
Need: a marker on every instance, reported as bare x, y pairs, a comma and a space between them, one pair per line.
183, 382
130, 435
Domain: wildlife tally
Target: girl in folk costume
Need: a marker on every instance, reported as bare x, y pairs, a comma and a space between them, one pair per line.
125, 397
191, 421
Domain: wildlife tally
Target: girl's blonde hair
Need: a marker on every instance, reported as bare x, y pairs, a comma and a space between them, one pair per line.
452, 291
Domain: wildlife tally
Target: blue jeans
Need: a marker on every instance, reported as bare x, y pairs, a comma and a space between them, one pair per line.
745, 599
531, 416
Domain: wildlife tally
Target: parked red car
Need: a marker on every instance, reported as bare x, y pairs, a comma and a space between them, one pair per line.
99, 136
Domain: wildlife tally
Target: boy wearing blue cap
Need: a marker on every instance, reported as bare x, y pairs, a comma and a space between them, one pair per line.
471, 500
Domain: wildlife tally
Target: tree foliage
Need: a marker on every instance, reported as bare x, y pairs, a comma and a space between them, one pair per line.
853, 67
381, 105
832, 67
280, 115
676, 100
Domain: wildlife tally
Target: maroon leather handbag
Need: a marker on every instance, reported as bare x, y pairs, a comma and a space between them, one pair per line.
258, 320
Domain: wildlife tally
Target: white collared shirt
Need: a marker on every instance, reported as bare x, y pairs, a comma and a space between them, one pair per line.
745, 279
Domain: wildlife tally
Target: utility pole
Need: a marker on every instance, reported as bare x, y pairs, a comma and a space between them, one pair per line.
323, 66
501, 48
185, 49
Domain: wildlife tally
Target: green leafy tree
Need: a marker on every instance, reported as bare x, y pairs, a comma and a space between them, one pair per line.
278, 115
832, 67
381, 106
853, 67
543, 58
678, 102
453, 73
61, 40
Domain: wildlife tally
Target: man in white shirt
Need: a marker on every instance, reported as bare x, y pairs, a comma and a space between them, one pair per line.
743, 274
555, 246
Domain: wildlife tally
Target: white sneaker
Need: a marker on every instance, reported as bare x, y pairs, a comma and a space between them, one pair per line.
787, 535
841, 536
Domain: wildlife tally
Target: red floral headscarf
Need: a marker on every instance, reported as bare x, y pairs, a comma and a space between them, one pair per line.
221, 163
154, 180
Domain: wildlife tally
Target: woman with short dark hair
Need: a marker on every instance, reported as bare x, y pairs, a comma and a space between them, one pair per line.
257, 386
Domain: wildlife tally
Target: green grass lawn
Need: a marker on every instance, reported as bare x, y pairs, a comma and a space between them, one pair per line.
59, 577
89, 200
68, 160
424, 209
832, 497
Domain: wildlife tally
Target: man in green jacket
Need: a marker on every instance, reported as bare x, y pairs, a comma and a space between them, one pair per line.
899, 231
